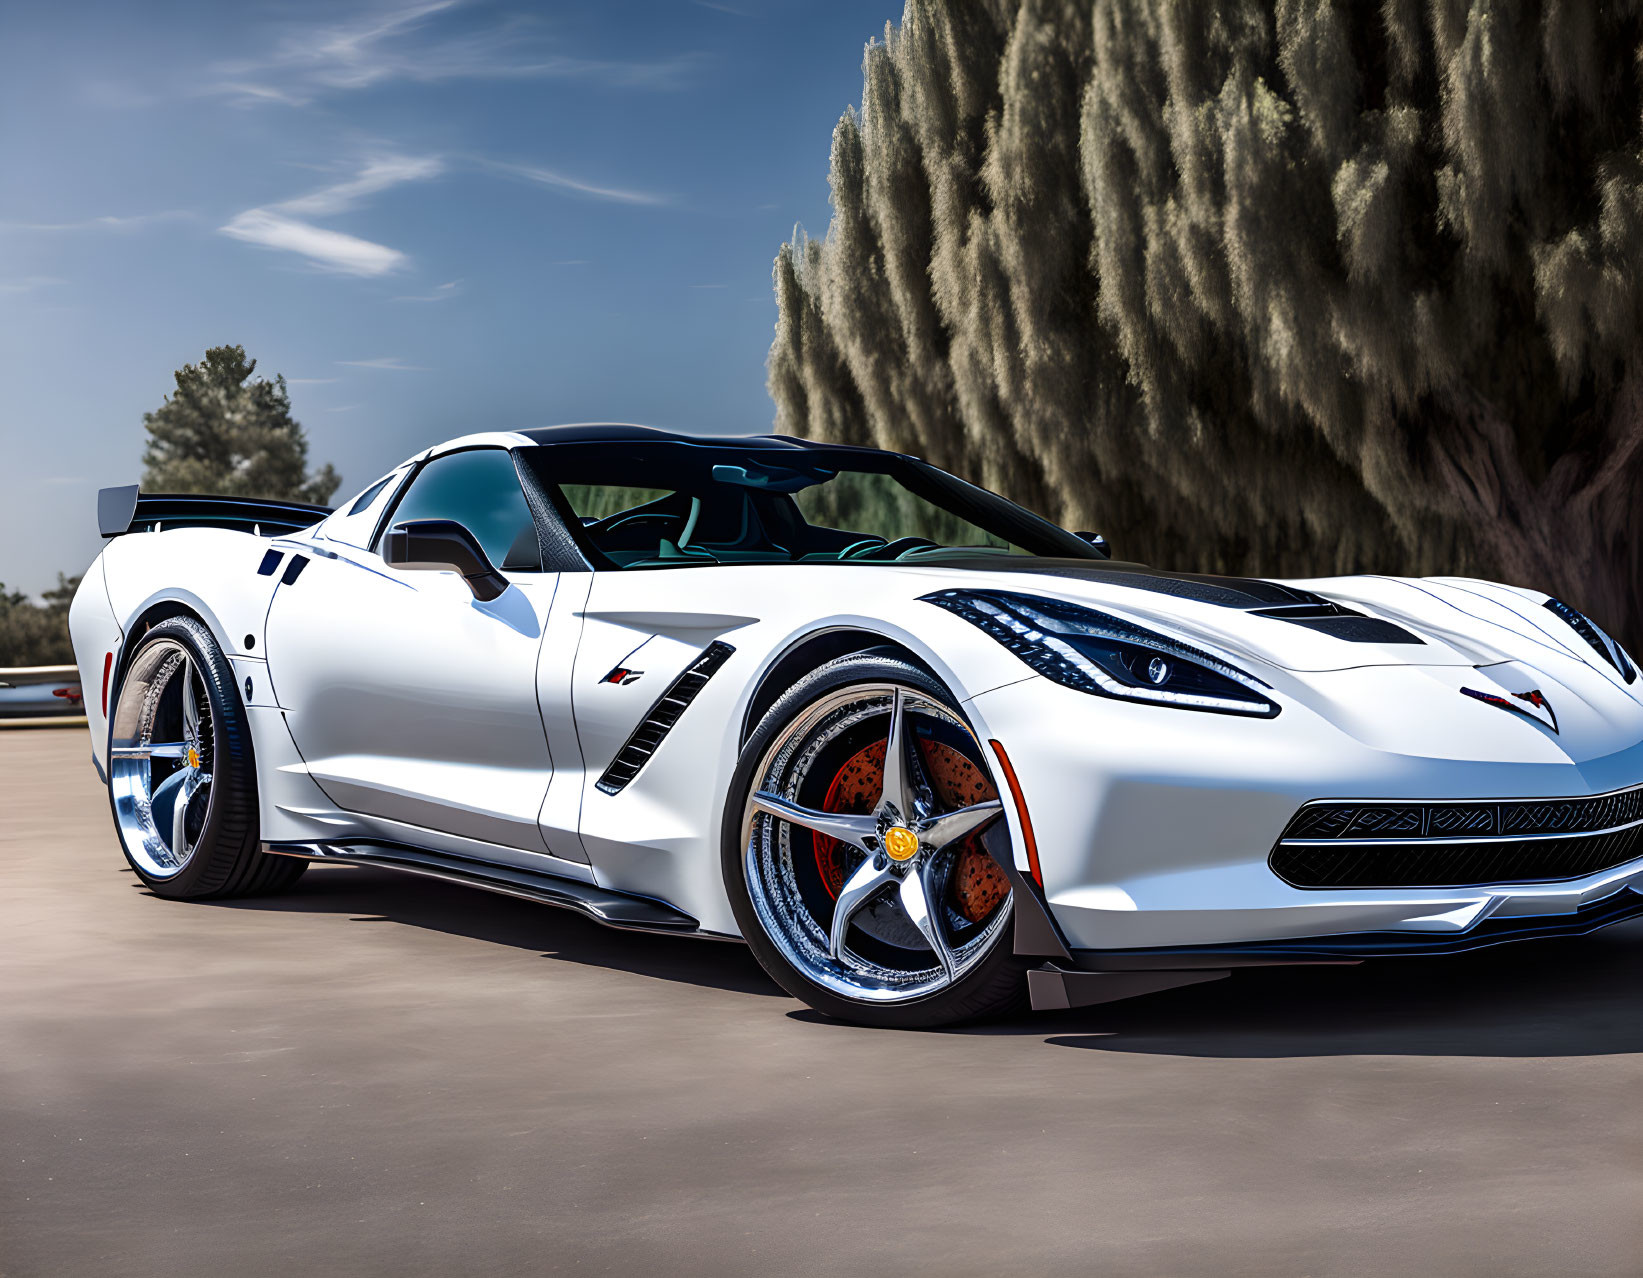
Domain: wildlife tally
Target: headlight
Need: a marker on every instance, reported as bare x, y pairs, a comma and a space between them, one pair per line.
1604, 646
1108, 656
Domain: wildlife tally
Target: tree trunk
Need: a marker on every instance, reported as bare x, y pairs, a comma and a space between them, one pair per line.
1576, 533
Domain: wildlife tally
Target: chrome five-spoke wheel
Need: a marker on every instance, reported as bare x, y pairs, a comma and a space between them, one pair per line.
160, 758
181, 772
862, 844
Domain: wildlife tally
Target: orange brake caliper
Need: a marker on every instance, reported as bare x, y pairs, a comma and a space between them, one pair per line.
977, 884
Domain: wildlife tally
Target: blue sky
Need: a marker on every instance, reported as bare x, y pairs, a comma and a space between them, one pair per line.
432, 217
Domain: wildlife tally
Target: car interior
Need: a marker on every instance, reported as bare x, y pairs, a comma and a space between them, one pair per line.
669, 506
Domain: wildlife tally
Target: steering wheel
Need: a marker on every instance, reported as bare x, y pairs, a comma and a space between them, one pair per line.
623, 519
860, 549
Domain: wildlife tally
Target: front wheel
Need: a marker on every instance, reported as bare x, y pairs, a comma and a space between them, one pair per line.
182, 780
853, 852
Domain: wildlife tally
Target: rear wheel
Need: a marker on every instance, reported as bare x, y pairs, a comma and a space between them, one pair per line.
853, 851
182, 780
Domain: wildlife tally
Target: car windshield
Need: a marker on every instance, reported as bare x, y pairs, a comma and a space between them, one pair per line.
670, 504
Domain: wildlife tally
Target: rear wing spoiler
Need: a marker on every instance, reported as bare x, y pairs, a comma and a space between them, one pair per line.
126, 510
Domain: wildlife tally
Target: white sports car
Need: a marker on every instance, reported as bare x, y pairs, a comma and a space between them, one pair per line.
926, 753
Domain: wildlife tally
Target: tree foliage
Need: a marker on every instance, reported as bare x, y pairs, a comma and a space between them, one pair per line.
36, 634
1291, 287
222, 432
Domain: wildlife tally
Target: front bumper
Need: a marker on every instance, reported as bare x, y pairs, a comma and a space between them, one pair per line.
1085, 977
1347, 947
1154, 826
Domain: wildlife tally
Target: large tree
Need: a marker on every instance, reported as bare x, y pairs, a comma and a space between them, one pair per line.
1279, 288
223, 432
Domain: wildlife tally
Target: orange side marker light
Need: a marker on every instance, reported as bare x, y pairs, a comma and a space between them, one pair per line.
1021, 812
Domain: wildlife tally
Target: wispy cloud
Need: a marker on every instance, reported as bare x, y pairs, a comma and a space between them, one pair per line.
391, 363
377, 176
105, 223
330, 250
575, 185
423, 43
441, 293
29, 284
245, 93
273, 226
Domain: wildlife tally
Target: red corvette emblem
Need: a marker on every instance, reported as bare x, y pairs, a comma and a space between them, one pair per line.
1534, 697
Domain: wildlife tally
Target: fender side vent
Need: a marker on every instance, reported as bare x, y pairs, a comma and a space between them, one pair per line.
659, 721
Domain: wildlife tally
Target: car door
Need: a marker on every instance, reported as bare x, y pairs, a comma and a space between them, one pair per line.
411, 700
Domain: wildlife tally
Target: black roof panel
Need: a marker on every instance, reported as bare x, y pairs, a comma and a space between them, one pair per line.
625, 433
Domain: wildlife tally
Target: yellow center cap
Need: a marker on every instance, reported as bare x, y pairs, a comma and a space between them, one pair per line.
193, 757
900, 843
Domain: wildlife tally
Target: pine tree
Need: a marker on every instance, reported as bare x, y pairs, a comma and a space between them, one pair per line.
222, 432
1285, 288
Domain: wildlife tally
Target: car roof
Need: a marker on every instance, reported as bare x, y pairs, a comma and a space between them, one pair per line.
623, 433
628, 433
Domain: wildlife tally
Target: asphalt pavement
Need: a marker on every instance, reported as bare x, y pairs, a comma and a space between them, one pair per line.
380, 1074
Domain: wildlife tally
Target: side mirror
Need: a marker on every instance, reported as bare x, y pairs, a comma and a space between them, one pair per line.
1098, 542
443, 545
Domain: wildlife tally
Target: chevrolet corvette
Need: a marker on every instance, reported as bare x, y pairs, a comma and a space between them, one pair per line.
930, 756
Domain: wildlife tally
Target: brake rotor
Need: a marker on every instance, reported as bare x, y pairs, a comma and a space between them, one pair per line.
977, 885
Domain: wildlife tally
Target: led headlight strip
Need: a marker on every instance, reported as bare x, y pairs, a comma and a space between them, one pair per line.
1098, 653
1604, 646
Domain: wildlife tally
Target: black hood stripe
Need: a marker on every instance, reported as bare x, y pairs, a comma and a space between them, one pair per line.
1244, 594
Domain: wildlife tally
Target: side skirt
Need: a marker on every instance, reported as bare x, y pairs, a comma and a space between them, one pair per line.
602, 905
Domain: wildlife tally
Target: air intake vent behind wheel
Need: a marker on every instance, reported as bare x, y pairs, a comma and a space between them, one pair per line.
662, 716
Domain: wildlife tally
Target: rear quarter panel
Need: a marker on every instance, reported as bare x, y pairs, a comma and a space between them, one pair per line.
212, 572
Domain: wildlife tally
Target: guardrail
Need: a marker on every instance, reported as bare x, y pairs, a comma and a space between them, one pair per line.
41, 696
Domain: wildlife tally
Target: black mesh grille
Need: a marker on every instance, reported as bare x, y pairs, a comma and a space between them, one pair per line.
1330, 845
662, 716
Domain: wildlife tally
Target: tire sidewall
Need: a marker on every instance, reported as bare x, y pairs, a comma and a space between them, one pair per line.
232, 767
940, 1007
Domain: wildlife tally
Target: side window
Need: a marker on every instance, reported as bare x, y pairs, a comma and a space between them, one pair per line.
480, 490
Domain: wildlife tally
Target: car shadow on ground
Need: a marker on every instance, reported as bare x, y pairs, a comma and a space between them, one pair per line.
1574, 997
371, 895
1571, 997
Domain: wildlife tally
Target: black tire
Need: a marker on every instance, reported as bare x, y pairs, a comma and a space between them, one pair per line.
227, 859
995, 986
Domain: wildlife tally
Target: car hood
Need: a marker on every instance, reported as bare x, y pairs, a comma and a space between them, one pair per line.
1315, 625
